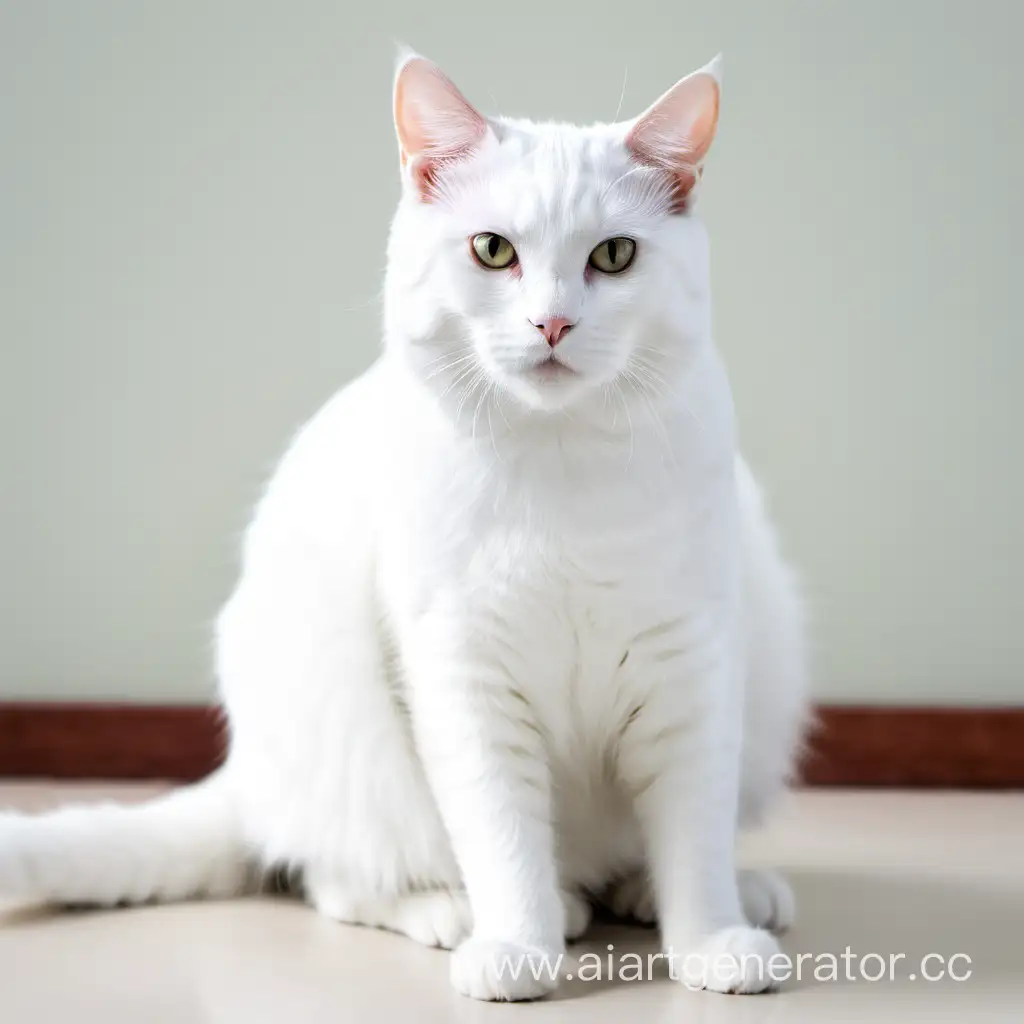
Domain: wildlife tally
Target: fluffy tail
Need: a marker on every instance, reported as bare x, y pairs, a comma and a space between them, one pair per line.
185, 844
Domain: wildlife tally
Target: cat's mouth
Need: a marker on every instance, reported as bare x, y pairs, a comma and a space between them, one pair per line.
551, 369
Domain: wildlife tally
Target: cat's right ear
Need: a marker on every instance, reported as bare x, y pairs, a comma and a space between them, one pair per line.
436, 124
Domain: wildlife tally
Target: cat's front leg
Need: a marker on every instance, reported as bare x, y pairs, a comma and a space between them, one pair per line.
486, 761
679, 754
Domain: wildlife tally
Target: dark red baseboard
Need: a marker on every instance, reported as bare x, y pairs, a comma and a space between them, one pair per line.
110, 741
969, 748
851, 746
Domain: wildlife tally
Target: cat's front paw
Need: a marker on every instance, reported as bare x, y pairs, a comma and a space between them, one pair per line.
733, 960
504, 971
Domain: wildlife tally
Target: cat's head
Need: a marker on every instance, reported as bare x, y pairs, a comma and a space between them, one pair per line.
547, 262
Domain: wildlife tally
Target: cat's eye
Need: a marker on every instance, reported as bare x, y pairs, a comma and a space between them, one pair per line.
492, 251
613, 255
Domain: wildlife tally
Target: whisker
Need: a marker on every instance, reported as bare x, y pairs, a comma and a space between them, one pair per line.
467, 391
656, 420
476, 412
622, 94
451, 365
459, 377
617, 392
646, 367
490, 426
371, 301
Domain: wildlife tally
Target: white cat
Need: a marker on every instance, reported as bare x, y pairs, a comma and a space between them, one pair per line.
512, 628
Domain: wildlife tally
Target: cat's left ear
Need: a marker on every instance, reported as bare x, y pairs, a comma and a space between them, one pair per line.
436, 124
676, 132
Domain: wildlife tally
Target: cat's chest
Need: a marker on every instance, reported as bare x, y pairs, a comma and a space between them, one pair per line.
596, 553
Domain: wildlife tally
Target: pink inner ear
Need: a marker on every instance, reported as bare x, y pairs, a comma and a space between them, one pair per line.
435, 122
676, 133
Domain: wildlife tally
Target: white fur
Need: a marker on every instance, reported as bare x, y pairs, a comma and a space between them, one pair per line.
498, 640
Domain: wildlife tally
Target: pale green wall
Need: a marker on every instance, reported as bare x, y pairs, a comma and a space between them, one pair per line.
193, 204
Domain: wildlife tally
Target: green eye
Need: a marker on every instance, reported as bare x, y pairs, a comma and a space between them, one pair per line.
492, 251
613, 255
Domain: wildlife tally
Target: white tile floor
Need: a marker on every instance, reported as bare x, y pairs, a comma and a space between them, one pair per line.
883, 872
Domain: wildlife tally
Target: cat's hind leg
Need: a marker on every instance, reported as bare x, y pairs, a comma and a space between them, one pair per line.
433, 917
328, 780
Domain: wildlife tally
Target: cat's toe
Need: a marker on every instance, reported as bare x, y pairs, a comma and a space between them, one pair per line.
441, 918
767, 900
434, 917
733, 960
499, 971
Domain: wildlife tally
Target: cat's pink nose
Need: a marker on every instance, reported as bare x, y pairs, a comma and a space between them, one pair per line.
554, 329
